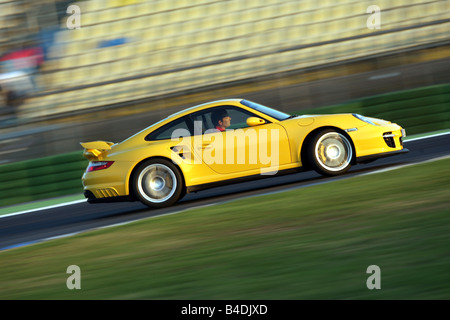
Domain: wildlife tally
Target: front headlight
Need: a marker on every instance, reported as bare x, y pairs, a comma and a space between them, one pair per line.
362, 118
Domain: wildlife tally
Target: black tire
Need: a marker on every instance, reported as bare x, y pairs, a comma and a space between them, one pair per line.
330, 153
157, 183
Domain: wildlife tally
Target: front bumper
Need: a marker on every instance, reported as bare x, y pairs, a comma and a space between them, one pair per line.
379, 142
380, 155
376, 141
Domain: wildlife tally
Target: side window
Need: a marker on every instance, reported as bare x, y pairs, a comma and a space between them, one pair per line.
166, 131
239, 118
204, 119
201, 121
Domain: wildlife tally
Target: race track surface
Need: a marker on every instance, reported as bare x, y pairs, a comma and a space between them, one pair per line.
19, 230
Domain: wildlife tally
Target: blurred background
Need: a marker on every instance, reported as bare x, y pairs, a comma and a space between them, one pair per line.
105, 69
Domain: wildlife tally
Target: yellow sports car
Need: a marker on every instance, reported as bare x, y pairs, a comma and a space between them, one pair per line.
229, 141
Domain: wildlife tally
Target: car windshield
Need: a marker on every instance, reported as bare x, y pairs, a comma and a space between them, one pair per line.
266, 110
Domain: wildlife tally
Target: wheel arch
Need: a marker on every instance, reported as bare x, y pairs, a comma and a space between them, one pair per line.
308, 138
137, 165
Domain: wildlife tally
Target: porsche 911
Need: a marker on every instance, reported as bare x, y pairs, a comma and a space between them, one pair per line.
229, 141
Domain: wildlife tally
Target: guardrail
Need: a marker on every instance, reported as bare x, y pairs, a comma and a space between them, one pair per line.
41, 178
418, 110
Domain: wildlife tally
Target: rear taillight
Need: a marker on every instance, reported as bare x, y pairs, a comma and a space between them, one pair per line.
99, 165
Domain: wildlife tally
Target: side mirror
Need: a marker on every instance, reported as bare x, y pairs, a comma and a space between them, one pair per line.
254, 121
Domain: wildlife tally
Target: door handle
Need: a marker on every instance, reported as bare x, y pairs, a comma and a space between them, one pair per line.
205, 146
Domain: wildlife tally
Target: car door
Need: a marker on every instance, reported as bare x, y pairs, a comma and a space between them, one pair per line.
240, 148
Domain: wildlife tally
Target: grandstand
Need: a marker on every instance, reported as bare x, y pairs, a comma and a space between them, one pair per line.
132, 49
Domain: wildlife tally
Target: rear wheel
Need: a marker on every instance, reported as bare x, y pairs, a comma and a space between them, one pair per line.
158, 183
330, 153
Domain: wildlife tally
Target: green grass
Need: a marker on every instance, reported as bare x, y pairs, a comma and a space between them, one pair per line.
309, 243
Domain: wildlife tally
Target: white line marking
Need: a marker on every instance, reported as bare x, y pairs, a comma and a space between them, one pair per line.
44, 208
384, 76
404, 165
426, 137
13, 150
6, 141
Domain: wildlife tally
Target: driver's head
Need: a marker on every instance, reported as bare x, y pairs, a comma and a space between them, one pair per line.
221, 118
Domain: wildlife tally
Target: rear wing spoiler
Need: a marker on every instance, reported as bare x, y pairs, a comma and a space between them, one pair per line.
94, 149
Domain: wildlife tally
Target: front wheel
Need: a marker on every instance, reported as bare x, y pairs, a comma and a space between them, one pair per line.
330, 153
158, 183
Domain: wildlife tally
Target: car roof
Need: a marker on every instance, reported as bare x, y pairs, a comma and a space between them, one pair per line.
203, 106
184, 112
181, 113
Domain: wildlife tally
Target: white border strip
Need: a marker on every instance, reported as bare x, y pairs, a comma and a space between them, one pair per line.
404, 165
44, 208
426, 137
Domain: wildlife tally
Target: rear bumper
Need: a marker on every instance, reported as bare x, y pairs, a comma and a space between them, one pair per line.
108, 185
92, 199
